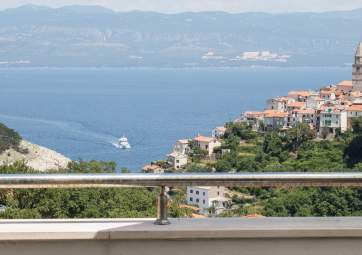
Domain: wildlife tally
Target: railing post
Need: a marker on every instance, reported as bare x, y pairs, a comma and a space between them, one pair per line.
162, 208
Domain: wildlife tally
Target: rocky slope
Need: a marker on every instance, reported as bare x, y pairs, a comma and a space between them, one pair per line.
37, 157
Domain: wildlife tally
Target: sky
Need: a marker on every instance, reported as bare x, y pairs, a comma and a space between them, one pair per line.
174, 6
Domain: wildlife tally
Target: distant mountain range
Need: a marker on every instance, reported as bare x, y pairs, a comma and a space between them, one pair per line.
76, 36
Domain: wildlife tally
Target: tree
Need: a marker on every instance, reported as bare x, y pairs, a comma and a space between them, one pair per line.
232, 142
91, 167
76, 203
196, 153
353, 153
297, 136
357, 125
9, 139
273, 144
241, 130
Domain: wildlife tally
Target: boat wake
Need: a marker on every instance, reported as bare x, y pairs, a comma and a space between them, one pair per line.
116, 145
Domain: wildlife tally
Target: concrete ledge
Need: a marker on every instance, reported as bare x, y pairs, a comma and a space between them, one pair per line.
180, 229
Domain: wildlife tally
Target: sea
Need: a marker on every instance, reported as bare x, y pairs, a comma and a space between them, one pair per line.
82, 112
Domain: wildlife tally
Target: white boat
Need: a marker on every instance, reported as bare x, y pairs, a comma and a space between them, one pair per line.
123, 143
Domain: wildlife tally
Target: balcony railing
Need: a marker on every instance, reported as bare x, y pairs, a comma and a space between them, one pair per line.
171, 180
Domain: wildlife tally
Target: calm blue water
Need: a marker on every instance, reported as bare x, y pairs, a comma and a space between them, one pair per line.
81, 112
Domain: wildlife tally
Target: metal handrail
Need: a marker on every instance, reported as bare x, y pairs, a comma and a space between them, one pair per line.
158, 180
169, 180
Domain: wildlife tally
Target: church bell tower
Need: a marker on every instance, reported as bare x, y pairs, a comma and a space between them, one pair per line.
357, 70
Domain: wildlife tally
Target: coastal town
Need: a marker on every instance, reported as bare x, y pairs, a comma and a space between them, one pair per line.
328, 112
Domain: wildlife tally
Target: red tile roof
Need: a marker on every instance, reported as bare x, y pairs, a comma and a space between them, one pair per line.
151, 167
204, 139
345, 84
306, 111
302, 93
296, 104
253, 114
274, 114
183, 141
221, 129
355, 108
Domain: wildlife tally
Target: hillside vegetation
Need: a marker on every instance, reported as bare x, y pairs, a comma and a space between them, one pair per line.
295, 150
9, 139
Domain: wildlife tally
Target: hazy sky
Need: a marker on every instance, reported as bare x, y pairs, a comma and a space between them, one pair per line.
201, 5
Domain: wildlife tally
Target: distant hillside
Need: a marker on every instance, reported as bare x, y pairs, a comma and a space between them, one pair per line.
94, 36
14, 149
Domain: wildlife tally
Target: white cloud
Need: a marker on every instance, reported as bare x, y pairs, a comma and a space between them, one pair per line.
201, 5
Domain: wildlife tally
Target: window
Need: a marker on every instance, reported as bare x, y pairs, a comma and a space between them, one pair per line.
191, 191
177, 161
197, 200
203, 201
197, 192
204, 193
218, 193
191, 199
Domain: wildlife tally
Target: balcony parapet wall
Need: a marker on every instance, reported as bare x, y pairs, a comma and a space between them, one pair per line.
186, 236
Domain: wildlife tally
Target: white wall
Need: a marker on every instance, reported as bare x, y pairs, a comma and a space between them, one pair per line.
203, 197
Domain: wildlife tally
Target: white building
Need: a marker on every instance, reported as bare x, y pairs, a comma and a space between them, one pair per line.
328, 94
218, 132
211, 56
182, 146
275, 119
207, 143
314, 102
253, 118
307, 116
250, 55
208, 198
300, 96
332, 119
354, 111
177, 160
278, 104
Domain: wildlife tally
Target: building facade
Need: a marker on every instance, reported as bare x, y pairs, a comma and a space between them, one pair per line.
354, 111
218, 132
357, 70
331, 120
207, 143
182, 147
177, 160
208, 199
